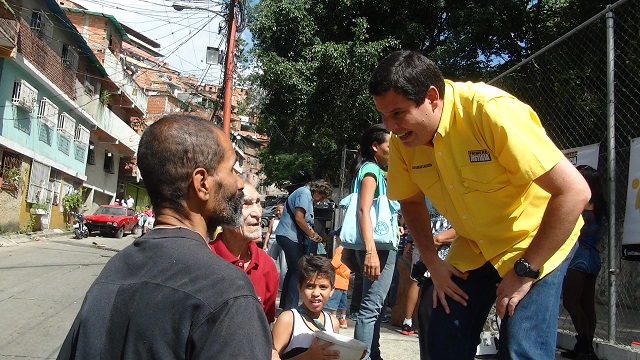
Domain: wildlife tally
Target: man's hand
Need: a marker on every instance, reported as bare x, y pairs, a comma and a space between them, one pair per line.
510, 291
317, 238
443, 286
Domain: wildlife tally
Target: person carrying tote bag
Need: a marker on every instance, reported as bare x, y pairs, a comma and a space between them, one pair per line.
377, 264
383, 213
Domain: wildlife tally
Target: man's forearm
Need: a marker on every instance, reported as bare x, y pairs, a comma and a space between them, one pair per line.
557, 223
569, 194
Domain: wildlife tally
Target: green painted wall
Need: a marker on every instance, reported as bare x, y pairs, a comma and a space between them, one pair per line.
24, 128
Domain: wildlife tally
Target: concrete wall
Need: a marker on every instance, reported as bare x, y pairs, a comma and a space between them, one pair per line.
98, 179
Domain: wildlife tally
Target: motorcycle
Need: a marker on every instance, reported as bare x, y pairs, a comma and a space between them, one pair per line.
80, 230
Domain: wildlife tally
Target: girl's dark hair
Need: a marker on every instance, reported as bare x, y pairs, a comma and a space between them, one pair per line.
597, 196
314, 265
375, 133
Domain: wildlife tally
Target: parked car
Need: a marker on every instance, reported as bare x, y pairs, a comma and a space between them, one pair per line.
269, 207
113, 220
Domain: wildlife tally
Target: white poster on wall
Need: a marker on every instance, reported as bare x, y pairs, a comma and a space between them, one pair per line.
584, 155
631, 230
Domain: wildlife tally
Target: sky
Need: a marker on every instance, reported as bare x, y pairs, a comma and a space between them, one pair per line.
183, 35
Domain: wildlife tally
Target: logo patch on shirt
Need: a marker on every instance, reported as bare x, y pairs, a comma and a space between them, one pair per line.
479, 156
423, 166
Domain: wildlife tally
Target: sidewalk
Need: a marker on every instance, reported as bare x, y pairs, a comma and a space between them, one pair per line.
57, 235
14, 239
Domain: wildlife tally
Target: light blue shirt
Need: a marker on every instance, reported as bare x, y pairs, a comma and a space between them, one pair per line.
301, 198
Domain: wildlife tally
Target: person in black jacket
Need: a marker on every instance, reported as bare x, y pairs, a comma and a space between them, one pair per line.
167, 296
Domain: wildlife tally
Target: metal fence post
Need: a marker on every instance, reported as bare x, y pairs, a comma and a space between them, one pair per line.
611, 121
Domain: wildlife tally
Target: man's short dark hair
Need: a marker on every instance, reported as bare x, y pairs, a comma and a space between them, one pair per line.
408, 73
170, 149
314, 265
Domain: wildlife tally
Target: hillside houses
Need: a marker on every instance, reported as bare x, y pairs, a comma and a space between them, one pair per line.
77, 90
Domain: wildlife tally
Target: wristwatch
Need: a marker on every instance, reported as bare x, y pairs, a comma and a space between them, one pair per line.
523, 269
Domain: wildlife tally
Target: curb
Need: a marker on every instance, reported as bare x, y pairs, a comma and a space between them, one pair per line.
604, 350
8, 240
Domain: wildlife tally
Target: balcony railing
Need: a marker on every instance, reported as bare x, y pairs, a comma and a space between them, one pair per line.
114, 126
8, 36
120, 77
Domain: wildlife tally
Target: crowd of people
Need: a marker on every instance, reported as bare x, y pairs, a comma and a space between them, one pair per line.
491, 209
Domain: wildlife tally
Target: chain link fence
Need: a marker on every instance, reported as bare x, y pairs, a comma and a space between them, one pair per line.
585, 86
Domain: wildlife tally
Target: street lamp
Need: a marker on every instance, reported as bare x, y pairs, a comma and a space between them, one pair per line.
228, 68
187, 5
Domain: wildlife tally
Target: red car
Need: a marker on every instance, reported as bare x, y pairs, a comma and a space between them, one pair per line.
114, 220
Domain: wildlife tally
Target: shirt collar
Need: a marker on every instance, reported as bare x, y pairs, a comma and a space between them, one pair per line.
218, 247
447, 108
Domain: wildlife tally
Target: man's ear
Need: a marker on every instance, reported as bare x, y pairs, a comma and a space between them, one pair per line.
201, 186
432, 95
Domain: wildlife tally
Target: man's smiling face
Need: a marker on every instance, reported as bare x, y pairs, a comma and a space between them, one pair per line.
413, 124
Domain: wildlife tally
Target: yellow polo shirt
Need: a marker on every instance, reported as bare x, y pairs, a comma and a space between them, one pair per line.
488, 149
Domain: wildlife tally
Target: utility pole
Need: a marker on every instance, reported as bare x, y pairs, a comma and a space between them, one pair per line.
228, 68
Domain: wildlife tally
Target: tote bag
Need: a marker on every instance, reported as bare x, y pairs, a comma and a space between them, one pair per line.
384, 217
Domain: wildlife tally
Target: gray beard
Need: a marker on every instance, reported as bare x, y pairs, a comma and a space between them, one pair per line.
231, 216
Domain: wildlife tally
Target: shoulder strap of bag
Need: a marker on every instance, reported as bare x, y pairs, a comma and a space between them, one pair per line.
380, 180
289, 209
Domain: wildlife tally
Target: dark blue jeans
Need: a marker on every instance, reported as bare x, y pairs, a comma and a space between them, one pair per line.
289, 296
530, 333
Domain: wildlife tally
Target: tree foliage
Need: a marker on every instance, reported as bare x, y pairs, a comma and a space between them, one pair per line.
316, 57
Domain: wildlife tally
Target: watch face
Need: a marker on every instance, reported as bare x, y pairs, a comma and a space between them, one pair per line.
520, 267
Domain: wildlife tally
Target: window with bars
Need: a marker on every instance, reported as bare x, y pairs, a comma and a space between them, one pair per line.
69, 57
41, 25
66, 125
82, 135
24, 95
9, 162
48, 113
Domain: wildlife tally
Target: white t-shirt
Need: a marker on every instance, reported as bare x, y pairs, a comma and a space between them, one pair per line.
149, 222
130, 202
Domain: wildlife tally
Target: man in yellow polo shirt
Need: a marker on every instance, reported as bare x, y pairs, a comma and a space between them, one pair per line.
483, 159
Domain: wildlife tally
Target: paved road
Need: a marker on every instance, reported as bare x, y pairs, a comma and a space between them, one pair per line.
41, 289
42, 285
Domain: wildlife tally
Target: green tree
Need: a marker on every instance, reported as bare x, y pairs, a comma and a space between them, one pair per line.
316, 57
